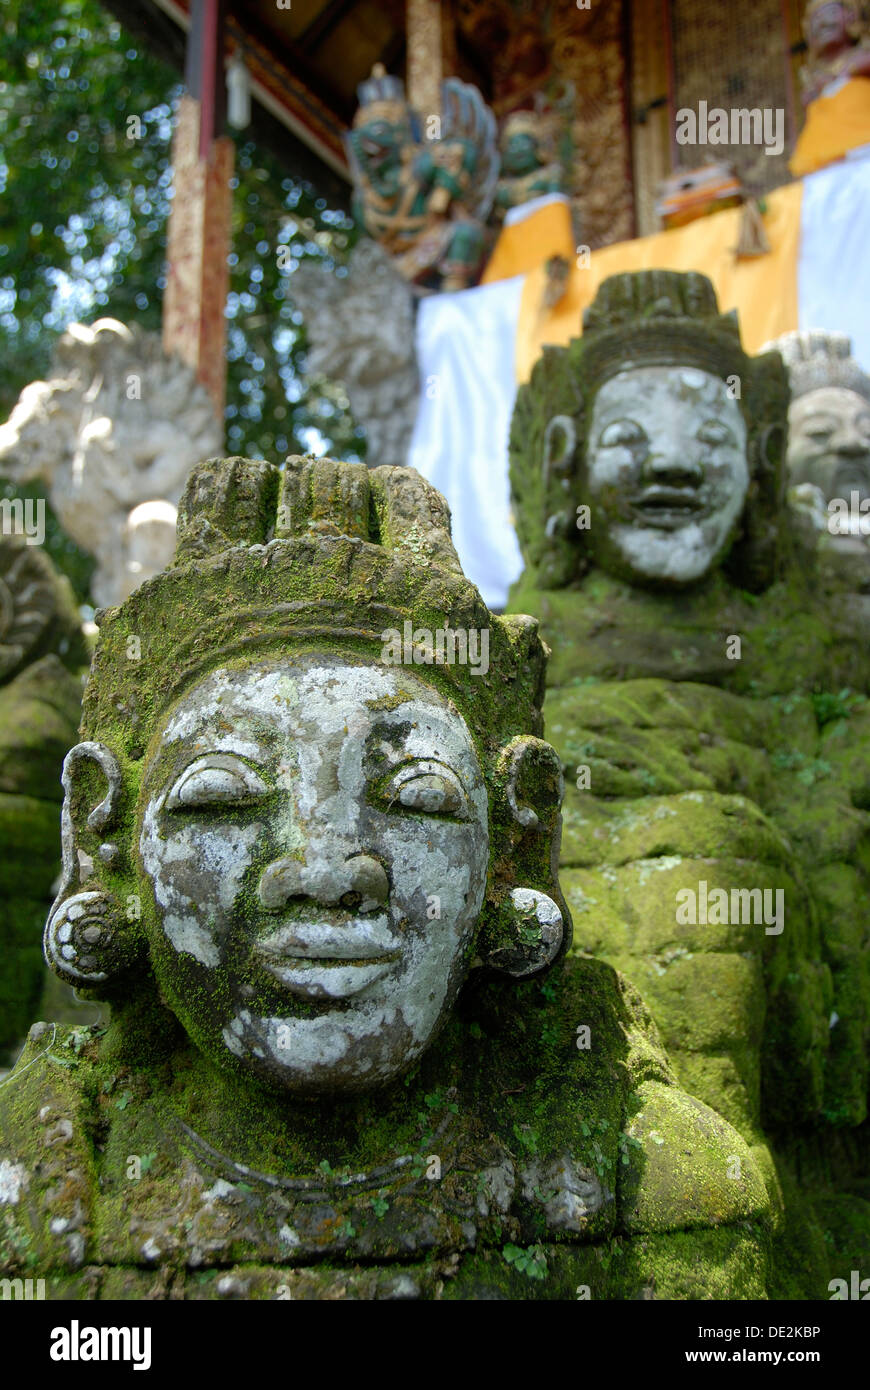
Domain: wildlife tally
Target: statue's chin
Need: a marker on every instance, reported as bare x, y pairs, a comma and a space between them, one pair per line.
652, 557
327, 1055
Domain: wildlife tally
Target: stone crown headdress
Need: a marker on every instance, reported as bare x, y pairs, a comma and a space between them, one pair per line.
380, 94
659, 317
817, 359
319, 552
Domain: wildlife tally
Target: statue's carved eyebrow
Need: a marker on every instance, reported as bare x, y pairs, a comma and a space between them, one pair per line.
168, 765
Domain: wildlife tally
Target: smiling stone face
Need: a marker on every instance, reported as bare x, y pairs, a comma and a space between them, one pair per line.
315, 833
829, 442
667, 474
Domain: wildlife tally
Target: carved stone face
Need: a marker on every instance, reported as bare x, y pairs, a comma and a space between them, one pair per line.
315, 832
378, 144
829, 442
520, 154
827, 28
667, 474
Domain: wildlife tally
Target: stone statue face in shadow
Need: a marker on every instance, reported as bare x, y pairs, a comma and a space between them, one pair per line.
829, 442
666, 473
315, 832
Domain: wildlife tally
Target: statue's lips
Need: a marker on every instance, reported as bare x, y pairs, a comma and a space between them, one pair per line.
327, 960
668, 507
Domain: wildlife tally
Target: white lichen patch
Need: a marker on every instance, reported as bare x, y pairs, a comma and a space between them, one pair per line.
14, 1179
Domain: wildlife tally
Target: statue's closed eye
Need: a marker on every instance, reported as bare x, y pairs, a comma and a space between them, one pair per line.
219, 779
427, 787
621, 432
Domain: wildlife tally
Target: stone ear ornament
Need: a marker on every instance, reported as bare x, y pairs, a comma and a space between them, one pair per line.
87, 938
84, 938
529, 935
527, 929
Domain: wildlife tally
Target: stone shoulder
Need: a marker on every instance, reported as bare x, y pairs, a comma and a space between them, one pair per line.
687, 1167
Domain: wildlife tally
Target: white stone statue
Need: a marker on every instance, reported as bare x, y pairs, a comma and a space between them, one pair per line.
829, 431
118, 423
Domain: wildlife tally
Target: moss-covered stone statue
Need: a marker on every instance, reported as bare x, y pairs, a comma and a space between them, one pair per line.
349, 1054
41, 647
708, 703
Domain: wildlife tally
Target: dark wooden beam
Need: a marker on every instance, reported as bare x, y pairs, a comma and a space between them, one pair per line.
204, 68
330, 16
291, 57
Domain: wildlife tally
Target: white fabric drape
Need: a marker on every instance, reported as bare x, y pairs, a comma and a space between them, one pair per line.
466, 346
834, 257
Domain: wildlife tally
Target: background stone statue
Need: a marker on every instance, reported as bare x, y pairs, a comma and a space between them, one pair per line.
535, 151
829, 415
41, 652
117, 423
350, 1054
839, 46
361, 333
708, 705
829, 467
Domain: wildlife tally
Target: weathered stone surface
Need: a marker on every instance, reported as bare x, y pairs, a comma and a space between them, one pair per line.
361, 333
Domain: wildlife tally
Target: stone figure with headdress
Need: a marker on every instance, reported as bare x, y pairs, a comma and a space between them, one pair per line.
425, 200
710, 708
310, 858
829, 425
535, 153
117, 424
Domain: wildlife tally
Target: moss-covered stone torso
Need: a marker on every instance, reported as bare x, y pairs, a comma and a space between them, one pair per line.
512, 1163
744, 772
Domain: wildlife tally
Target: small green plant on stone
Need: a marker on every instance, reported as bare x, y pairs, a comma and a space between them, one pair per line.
532, 1262
829, 707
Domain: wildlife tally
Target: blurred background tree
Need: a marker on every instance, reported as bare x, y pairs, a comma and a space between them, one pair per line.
83, 218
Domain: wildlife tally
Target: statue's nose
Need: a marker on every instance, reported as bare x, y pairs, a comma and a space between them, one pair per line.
674, 460
325, 881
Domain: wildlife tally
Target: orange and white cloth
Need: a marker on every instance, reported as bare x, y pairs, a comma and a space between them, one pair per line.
837, 122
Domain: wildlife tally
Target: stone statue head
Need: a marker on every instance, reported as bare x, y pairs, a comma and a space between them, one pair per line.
527, 142
830, 26
651, 446
383, 127
829, 416
298, 815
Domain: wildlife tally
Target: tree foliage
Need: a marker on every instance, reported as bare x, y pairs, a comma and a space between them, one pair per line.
84, 203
